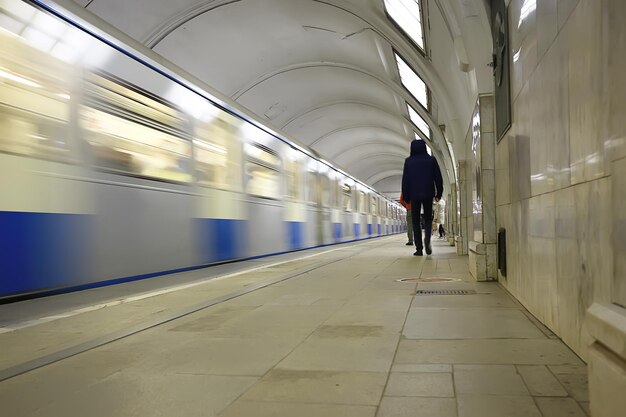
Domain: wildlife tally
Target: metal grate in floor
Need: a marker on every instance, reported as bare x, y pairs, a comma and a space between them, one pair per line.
429, 280
445, 292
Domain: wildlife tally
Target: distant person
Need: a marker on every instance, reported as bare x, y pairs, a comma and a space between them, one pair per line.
439, 218
421, 182
409, 221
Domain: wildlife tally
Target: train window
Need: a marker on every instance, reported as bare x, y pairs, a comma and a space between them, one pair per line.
262, 171
293, 172
312, 187
218, 153
347, 197
34, 100
374, 206
362, 207
132, 132
325, 188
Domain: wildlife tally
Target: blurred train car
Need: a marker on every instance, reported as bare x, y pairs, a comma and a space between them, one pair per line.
114, 167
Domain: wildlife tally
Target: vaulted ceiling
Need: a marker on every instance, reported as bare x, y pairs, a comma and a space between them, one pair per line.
324, 72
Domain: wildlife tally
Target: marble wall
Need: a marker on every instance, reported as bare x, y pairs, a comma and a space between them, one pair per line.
561, 169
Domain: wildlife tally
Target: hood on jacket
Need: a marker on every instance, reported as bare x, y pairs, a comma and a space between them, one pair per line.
418, 147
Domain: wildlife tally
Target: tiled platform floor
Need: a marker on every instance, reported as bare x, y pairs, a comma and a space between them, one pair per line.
343, 339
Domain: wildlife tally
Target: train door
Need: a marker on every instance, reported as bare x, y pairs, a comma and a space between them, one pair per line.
315, 205
264, 190
325, 226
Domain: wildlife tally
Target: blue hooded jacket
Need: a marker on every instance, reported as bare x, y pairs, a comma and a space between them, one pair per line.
421, 179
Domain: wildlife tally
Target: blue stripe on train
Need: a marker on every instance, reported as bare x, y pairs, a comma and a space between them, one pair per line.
43, 250
380, 228
220, 239
357, 230
295, 235
337, 232
369, 229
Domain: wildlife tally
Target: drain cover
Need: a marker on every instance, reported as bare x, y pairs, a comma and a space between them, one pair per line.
436, 279
445, 292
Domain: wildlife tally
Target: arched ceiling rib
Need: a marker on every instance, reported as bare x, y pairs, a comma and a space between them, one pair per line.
323, 71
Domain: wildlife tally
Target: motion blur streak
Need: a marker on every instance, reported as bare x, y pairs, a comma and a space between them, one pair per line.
111, 171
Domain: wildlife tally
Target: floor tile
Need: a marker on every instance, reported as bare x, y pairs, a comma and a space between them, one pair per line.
540, 381
568, 369
365, 354
496, 300
586, 408
413, 406
274, 409
282, 385
222, 356
497, 406
410, 367
485, 351
405, 384
488, 379
576, 385
331, 331
559, 407
469, 324
362, 315
151, 394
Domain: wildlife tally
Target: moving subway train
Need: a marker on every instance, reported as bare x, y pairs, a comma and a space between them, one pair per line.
114, 167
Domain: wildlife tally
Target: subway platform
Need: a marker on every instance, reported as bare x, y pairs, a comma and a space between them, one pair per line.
346, 330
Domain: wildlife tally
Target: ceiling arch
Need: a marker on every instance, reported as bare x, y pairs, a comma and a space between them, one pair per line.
323, 71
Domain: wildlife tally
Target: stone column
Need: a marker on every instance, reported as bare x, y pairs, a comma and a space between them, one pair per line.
483, 238
464, 202
451, 216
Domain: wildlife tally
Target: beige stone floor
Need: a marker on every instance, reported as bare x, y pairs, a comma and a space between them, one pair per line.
342, 338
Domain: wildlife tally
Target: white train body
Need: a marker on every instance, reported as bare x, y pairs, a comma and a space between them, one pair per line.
114, 167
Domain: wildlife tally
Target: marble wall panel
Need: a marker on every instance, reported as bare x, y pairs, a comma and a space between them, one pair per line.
615, 89
489, 234
519, 167
488, 149
557, 68
528, 49
519, 281
503, 191
585, 90
563, 10
519, 147
550, 167
542, 279
537, 128
512, 249
570, 317
515, 42
503, 221
487, 114
595, 240
547, 25
619, 231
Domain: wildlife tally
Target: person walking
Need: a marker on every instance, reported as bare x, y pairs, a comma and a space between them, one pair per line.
421, 182
409, 221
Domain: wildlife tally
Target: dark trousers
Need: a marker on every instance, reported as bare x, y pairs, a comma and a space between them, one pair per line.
442, 231
416, 208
